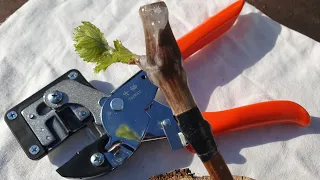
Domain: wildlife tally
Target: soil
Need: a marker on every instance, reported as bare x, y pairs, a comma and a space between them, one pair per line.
186, 174
8, 7
300, 15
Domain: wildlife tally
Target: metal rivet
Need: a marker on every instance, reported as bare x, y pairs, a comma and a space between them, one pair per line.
82, 113
12, 115
116, 104
31, 116
166, 122
34, 149
97, 159
72, 75
55, 97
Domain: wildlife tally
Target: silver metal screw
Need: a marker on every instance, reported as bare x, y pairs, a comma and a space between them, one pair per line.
166, 122
97, 159
55, 97
116, 104
72, 75
31, 116
12, 115
82, 113
34, 149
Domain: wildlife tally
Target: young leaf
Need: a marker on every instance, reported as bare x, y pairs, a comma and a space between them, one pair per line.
90, 42
92, 47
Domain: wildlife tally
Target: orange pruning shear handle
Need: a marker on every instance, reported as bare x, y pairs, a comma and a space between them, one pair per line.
255, 115
266, 113
209, 30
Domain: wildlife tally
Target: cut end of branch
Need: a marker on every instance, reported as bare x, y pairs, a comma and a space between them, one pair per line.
155, 11
162, 50
163, 60
154, 18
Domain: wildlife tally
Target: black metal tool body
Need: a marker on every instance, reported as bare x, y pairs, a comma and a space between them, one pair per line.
120, 122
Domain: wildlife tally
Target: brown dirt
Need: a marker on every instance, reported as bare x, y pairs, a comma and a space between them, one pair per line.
8, 7
186, 174
300, 15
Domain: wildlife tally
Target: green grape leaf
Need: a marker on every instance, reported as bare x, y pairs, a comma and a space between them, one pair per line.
92, 47
90, 42
125, 131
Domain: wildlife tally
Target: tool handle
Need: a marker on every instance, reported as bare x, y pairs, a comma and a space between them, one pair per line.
212, 28
255, 115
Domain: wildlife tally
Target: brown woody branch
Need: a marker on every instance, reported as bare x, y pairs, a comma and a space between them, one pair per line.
164, 67
163, 61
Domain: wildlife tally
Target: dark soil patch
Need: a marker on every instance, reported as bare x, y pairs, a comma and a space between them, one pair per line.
300, 15
186, 174
8, 7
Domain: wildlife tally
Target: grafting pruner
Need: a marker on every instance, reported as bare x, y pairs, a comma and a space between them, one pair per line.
128, 116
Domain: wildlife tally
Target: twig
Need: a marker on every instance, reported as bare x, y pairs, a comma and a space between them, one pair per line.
163, 65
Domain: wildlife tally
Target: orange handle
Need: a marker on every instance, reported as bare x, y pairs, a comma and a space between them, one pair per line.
209, 30
261, 114
256, 115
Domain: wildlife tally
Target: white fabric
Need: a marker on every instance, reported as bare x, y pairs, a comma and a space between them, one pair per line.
257, 60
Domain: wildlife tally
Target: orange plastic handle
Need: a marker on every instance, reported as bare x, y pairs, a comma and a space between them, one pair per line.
209, 30
260, 114
256, 115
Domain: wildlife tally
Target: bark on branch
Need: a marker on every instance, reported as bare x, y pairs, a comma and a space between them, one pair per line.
163, 61
164, 67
